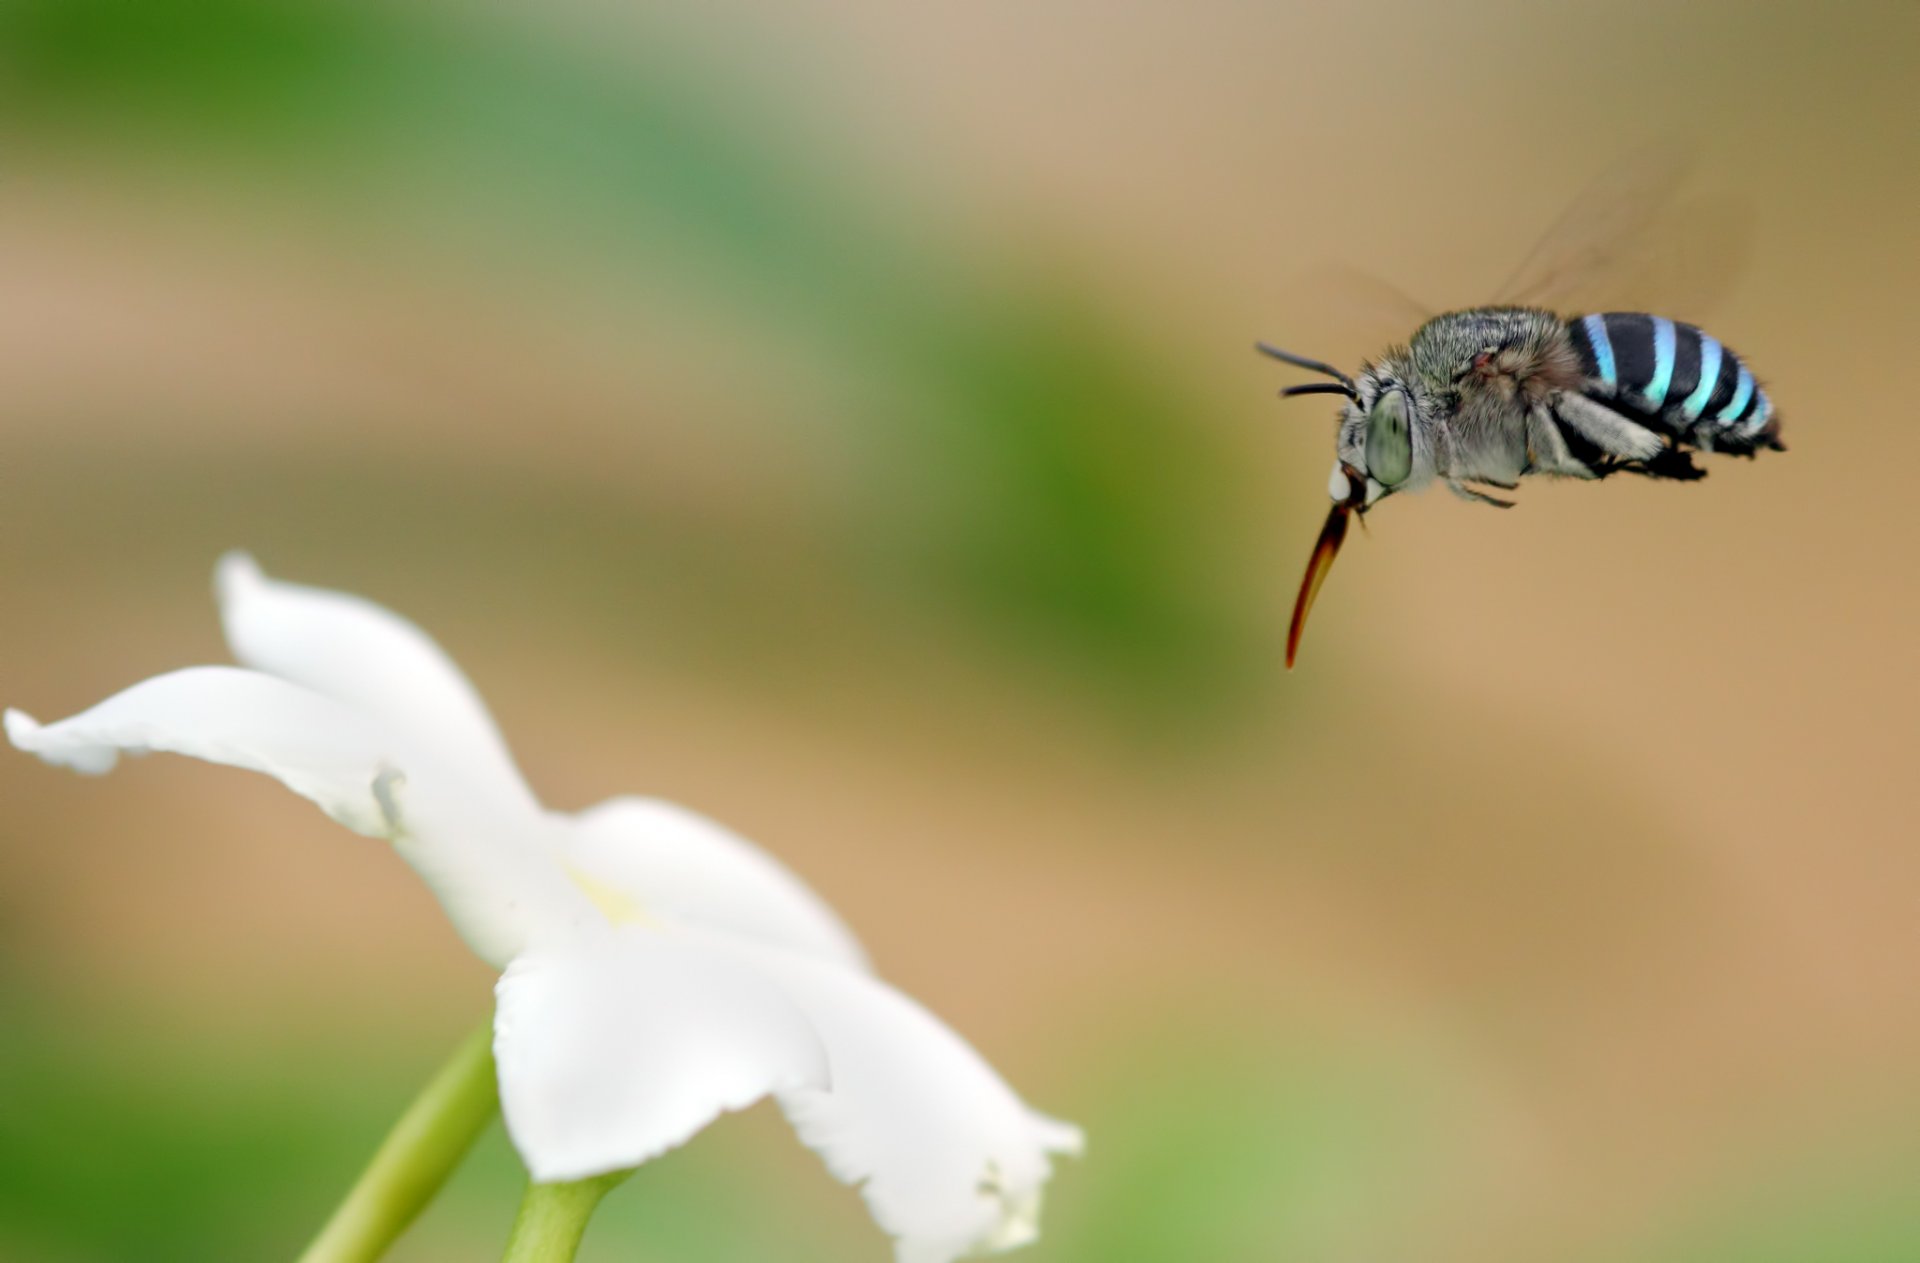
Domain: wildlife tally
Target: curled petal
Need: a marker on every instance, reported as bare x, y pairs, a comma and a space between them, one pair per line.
371, 659
616, 1049
491, 868
951, 1162
311, 744
666, 861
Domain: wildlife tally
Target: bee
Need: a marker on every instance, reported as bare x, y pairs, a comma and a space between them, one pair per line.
1483, 397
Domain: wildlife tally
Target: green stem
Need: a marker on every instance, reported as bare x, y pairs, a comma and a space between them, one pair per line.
553, 1218
415, 1159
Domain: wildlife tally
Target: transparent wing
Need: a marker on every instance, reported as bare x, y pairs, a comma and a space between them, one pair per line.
1636, 240
1356, 313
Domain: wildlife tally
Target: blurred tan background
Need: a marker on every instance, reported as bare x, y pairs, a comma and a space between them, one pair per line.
841, 418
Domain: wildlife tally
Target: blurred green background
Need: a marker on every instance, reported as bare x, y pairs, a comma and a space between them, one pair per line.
840, 417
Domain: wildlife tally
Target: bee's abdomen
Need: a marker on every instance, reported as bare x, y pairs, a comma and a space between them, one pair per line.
1676, 379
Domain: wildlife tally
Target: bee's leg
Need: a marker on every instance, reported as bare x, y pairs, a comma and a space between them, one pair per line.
1478, 497
1550, 452
1606, 429
1671, 462
1611, 432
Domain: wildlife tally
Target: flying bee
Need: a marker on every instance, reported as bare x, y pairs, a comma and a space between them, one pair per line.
1491, 395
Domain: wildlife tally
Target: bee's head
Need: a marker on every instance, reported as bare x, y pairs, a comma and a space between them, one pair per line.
1380, 449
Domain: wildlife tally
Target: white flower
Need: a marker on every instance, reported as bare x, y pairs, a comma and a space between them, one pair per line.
657, 970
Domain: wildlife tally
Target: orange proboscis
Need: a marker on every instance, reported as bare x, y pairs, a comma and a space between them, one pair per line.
1324, 551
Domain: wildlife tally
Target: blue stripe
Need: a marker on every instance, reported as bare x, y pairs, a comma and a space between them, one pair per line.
1663, 357
1596, 327
1741, 393
1761, 411
1709, 377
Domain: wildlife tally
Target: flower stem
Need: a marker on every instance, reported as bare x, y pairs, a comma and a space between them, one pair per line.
553, 1218
415, 1159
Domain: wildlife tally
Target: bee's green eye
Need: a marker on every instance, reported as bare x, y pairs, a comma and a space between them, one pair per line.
1389, 440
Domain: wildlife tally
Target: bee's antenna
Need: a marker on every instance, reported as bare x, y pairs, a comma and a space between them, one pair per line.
1320, 388
1300, 361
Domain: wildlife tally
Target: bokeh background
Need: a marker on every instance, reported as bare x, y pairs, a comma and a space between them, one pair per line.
840, 417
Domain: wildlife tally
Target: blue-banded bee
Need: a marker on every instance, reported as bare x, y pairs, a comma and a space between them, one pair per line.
1491, 395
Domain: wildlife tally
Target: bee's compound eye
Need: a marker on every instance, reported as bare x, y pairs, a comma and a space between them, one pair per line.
1338, 488
1389, 439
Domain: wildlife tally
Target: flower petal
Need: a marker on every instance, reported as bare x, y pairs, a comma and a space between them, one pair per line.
953, 1162
616, 1049
313, 745
370, 658
679, 865
491, 868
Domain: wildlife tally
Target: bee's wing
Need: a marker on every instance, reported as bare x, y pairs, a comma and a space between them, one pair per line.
1356, 312
1635, 240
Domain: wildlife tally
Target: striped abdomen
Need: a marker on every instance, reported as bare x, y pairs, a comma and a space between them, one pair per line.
1676, 379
